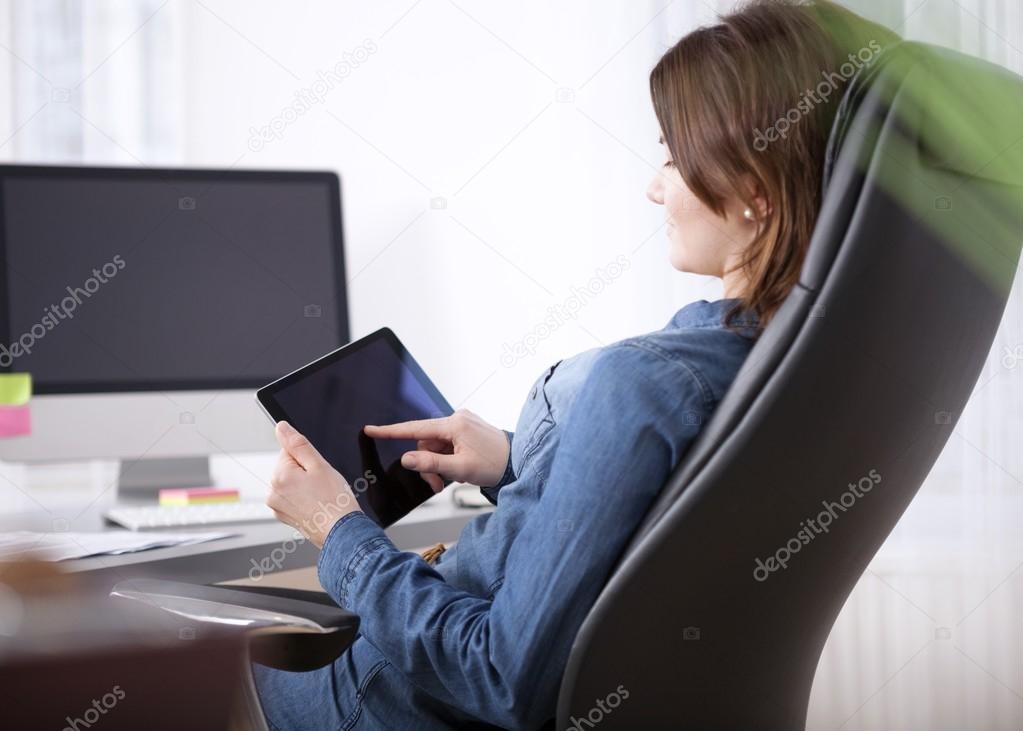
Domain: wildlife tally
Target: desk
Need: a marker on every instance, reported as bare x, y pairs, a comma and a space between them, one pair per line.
74, 496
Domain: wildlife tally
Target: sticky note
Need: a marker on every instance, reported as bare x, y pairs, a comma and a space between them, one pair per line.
15, 421
198, 495
15, 388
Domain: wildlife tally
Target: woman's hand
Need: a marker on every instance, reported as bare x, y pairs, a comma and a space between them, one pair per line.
461, 447
305, 491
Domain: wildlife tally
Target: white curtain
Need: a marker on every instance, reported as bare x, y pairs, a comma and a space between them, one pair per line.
94, 82
931, 637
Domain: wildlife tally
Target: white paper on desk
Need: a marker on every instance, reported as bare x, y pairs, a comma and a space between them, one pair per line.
66, 546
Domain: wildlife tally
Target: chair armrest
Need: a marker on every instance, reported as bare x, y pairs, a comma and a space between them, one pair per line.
287, 629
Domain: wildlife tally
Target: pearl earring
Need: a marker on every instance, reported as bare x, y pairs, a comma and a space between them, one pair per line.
748, 214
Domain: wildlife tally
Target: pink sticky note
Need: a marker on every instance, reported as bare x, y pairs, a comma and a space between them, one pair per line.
15, 421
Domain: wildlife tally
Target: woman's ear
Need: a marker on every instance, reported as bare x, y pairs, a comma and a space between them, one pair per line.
762, 206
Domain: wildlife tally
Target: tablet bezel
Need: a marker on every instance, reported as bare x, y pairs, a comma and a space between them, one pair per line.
266, 395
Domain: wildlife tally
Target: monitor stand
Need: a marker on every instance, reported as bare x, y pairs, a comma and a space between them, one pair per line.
144, 478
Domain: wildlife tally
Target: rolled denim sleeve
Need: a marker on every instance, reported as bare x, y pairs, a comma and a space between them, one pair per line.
347, 545
490, 493
501, 659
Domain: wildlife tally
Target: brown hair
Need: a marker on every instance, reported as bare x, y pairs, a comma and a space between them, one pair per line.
753, 99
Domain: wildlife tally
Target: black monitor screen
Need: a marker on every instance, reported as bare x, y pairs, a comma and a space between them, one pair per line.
153, 279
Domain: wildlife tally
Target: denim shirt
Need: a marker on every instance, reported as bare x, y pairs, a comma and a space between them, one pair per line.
482, 638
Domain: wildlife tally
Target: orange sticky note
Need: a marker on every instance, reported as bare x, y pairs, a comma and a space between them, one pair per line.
198, 495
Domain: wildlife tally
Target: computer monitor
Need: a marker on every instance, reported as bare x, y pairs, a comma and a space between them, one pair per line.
148, 304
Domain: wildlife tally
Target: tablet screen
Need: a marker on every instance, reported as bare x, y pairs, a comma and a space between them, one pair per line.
370, 381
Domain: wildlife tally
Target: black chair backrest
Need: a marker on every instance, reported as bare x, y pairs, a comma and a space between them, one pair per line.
717, 612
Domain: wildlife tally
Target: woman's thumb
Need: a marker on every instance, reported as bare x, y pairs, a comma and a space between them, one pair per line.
295, 444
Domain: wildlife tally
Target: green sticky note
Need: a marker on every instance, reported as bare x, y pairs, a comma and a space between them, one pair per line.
15, 388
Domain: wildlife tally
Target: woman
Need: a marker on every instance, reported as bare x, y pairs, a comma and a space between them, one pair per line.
482, 637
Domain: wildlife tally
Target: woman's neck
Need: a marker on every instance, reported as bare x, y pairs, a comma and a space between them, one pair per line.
735, 283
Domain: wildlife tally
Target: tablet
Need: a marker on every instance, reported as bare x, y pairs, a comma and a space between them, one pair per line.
374, 380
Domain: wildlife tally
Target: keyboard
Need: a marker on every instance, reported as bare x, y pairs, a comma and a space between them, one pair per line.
183, 516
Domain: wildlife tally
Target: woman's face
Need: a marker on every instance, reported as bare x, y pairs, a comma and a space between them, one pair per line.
700, 241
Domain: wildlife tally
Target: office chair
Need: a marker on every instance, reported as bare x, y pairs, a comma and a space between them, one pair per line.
862, 375
717, 612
